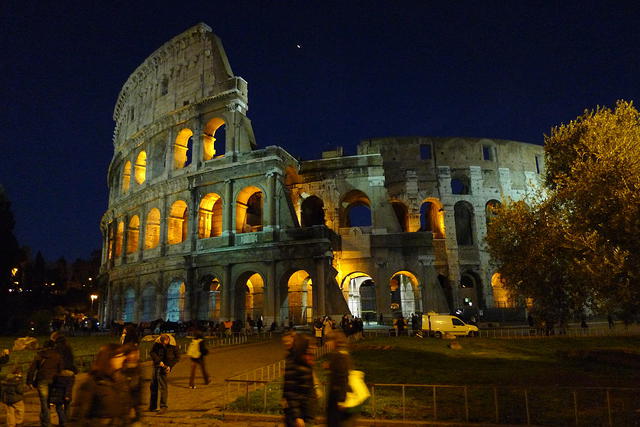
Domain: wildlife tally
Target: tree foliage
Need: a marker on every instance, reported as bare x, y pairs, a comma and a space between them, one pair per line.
579, 245
9, 249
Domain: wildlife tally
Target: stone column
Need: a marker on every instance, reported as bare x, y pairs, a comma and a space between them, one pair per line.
271, 220
228, 223
271, 295
125, 239
164, 216
228, 294
320, 308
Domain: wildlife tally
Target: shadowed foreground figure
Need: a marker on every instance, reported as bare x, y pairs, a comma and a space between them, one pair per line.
299, 391
339, 365
164, 356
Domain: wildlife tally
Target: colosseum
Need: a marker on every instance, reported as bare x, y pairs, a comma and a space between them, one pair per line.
203, 224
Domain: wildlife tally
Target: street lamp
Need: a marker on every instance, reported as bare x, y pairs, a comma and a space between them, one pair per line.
93, 298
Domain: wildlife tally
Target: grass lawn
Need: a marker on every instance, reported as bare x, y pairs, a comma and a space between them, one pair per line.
549, 369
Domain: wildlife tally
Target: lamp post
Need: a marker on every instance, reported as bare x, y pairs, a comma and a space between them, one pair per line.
93, 298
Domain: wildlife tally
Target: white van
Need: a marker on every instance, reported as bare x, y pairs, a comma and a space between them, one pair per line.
439, 324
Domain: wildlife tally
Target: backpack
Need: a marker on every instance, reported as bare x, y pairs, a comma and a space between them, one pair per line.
193, 351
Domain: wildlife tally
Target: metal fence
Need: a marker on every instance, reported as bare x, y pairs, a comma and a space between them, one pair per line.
526, 332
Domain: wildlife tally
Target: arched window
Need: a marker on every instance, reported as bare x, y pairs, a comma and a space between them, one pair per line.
401, 214
460, 185
356, 210
249, 296
182, 149
126, 177
470, 289
148, 303
463, 213
491, 210
210, 216
213, 139
129, 305
119, 238
177, 224
210, 299
133, 234
432, 218
299, 301
141, 167
152, 229
406, 295
361, 296
249, 210
312, 211
175, 301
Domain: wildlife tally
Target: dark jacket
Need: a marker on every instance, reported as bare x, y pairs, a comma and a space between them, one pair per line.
12, 389
167, 354
298, 390
133, 377
46, 365
103, 396
66, 353
61, 388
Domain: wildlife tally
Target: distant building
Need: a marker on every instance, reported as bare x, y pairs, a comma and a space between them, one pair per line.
202, 224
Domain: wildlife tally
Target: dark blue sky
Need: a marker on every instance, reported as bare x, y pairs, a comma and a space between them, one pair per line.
509, 69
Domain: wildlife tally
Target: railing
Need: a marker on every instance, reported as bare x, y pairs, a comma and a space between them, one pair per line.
478, 404
526, 332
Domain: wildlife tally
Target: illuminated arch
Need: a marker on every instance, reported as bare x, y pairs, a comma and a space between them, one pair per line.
210, 302
126, 177
210, 216
175, 301
148, 303
406, 293
470, 289
141, 167
249, 296
249, 208
361, 294
177, 223
119, 238
432, 217
463, 214
355, 210
182, 149
152, 229
215, 126
312, 211
133, 234
297, 307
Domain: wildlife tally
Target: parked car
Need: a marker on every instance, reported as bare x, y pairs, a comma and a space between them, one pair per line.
438, 324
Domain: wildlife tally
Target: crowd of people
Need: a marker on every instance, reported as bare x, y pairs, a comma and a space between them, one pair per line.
112, 391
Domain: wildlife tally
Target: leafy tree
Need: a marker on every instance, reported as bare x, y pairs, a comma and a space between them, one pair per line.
9, 249
585, 233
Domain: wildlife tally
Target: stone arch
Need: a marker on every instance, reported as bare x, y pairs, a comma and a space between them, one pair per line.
149, 303
355, 210
129, 309
183, 149
406, 293
432, 217
214, 131
361, 299
463, 214
176, 297
140, 168
249, 210
297, 306
470, 290
126, 177
502, 298
402, 214
210, 216
133, 234
312, 211
210, 298
178, 222
119, 238
491, 210
249, 295
152, 229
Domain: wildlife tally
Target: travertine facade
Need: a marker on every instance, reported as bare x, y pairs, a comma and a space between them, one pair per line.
204, 225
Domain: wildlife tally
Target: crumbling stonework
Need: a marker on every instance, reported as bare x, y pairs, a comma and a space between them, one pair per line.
202, 224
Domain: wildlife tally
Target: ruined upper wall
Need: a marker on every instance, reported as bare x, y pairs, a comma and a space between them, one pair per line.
191, 67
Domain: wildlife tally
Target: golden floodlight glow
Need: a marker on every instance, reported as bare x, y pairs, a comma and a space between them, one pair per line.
177, 227
210, 216
180, 148
141, 167
208, 137
133, 234
126, 177
152, 230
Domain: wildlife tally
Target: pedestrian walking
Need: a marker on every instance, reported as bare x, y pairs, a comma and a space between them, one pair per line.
197, 350
164, 354
45, 366
299, 390
340, 364
13, 388
132, 373
104, 397
60, 392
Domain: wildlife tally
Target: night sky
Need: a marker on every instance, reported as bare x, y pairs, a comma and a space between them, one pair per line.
509, 70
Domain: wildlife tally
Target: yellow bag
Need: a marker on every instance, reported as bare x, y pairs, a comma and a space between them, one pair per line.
359, 393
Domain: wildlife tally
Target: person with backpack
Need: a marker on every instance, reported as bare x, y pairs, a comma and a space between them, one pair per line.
60, 391
44, 368
13, 389
197, 350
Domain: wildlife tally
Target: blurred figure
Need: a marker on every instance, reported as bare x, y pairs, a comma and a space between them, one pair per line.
104, 398
13, 389
44, 368
339, 365
4, 356
60, 392
197, 351
129, 335
132, 373
164, 356
299, 391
